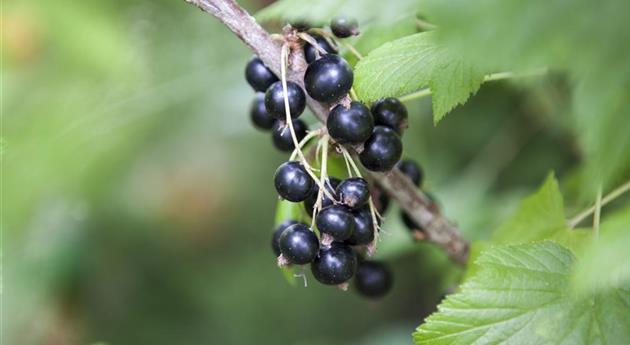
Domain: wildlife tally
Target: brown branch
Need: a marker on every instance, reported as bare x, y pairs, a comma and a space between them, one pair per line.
437, 228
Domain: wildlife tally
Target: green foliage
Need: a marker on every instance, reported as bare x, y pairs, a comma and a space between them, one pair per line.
408, 64
539, 216
320, 12
604, 263
578, 38
520, 296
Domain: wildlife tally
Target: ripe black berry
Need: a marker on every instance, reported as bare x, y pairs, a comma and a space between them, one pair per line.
363, 228
258, 75
274, 100
275, 244
343, 26
390, 112
292, 182
350, 126
373, 279
382, 150
259, 115
381, 200
412, 170
311, 53
337, 221
298, 244
334, 265
309, 203
354, 192
328, 79
281, 134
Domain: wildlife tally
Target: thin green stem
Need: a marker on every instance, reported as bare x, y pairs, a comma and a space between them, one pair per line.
617, 192
598, 212
303, 142
490, 77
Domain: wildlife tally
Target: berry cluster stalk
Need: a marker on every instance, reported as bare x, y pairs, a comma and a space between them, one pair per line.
417, 205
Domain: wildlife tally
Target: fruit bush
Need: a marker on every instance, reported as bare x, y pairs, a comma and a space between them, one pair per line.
544, 276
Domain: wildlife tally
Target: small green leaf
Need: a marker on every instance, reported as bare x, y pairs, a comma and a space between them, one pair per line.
408, 64
540, 216
520, 295
604, 263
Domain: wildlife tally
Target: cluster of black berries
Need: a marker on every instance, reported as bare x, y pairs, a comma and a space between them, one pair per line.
345, 221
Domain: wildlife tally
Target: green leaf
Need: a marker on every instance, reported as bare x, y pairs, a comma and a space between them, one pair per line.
520, 295
540, 216
377, 35
408, 64
321, 11
584, 45
604, 264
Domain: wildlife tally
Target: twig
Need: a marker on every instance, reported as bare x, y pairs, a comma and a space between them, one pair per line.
399, 187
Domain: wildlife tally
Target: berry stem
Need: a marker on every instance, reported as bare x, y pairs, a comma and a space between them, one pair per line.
598, 212
304, 140
283, 72
617, 192
490, 77
345, 44
323, 176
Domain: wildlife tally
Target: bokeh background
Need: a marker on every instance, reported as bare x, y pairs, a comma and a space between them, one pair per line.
138, 202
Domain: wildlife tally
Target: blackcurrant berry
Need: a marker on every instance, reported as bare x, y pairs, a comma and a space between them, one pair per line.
328, 79
382, 150
292, 182
390, 112
337, 221
309, 203
259, 115
353, 125
334, 265
258, 75
363, 228
298, 244
343, 26
381, 200
354, 192
373, 279
311, 53
275, 244
412, 170
281, 134
274, 100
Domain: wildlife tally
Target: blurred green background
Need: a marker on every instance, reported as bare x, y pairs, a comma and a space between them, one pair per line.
138, 202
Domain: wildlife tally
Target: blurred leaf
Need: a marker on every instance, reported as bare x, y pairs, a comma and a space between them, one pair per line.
520, 296
321, 11
476, 249
539, 216
410, 63
286, 210
375, 36
586, 45
604, 264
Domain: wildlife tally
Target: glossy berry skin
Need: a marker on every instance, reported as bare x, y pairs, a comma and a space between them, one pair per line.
258, 113
382, 150
337, 221
258, 75
354, 192
334, 265
390, 112
328, 79
343, 26
363, 228
373, 279
309, 203
298, 244
292, 182
274, 100
281, 134
412, 170
353, 125
311, 53
275, 244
